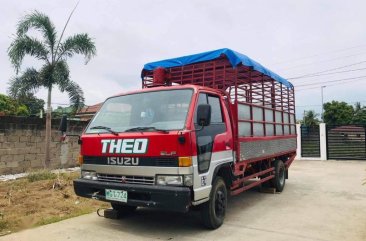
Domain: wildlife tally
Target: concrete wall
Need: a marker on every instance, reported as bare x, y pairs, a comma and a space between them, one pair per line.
22, 144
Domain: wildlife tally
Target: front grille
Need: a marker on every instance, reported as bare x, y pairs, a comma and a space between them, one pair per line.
143, 161
126, 179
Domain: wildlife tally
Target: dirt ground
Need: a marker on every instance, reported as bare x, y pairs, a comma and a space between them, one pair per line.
26, 203
322, 201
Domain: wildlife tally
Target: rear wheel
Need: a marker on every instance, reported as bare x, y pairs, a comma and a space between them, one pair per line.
279, 180
123, 208
213, 212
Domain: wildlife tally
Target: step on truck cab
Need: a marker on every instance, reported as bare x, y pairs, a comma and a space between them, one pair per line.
202, 127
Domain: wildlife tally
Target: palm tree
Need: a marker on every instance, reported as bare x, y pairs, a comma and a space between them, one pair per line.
310, 118
53, 52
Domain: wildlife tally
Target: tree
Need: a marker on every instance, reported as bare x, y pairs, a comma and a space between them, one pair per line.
359, 116
22, 110
28, 99
338, 113
9, 106
310, 118
53, 54
61, 111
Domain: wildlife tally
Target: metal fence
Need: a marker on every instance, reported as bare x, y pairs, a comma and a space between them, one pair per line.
310, 141
346, 142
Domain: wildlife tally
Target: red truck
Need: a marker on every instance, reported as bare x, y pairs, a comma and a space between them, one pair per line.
202, 127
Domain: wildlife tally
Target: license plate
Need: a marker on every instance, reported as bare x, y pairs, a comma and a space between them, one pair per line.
116, 195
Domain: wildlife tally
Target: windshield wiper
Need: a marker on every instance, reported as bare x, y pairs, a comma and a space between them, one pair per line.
104, 128
145, 128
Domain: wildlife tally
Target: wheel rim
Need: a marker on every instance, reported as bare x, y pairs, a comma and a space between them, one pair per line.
281, 176
220, 203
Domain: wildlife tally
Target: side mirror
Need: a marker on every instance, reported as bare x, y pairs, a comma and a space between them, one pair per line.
63, 124
204, 115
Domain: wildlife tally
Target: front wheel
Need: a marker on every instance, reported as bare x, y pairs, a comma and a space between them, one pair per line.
213, 212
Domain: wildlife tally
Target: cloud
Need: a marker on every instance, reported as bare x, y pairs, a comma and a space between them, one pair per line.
129, 34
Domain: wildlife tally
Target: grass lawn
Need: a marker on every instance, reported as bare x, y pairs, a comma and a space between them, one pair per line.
41, 198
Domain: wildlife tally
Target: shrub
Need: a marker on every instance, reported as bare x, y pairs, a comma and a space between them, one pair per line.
41, 175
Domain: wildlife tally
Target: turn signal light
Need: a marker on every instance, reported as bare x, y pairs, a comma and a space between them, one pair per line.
185, 161
81, 160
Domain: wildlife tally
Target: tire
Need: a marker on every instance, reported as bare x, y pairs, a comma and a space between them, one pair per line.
213, 212
123, 208
279, 180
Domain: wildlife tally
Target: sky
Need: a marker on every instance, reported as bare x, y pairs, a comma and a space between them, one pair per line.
322, 42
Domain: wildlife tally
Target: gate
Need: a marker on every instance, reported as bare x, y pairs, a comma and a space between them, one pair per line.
310, 141
346, 142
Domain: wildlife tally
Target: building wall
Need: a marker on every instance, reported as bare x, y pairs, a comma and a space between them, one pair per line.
22, 144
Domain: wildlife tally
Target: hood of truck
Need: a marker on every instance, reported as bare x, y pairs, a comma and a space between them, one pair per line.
137, 144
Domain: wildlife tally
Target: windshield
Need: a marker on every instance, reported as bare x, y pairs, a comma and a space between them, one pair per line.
148, 111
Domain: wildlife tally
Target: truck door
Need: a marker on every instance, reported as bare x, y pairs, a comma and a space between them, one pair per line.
206, 137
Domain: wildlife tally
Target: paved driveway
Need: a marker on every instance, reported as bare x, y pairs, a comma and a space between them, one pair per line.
321, 201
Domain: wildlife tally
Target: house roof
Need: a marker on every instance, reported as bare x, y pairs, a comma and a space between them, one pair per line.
89, 110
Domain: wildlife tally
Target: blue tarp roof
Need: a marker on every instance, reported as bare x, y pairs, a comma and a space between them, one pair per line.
234, 57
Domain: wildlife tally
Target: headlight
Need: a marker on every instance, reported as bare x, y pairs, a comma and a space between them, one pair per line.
89, 175
186, 180
169, 180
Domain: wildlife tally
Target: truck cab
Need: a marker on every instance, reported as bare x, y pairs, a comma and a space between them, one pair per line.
150, 145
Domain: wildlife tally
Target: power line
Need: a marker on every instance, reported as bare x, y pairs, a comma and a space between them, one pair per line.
52, 103
350, 102
337, 72
328, 52
331, 81
59, 104
299, 106
323, 61
324, 71
317, 87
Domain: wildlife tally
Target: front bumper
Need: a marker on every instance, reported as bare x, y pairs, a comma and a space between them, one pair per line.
165, 197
